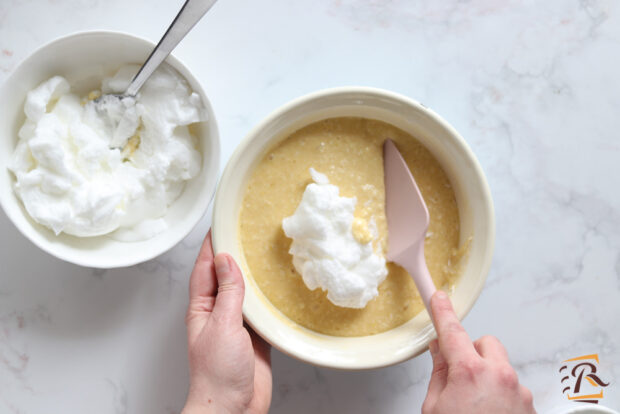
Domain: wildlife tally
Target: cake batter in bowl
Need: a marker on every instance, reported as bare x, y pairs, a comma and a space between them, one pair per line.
354, 108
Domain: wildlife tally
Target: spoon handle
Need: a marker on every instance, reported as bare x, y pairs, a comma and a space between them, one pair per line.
187, 17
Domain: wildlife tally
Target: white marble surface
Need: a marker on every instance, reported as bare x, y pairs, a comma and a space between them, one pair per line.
532, 86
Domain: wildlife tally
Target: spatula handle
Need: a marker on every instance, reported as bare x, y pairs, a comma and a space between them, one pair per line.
412, 260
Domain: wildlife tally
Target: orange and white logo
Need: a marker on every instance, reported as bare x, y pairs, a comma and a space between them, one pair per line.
581, 380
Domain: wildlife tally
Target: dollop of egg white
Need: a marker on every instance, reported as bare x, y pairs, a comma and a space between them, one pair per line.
325, 252
93, 168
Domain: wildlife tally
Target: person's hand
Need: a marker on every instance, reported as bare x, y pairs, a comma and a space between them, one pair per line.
470, 377
230, 367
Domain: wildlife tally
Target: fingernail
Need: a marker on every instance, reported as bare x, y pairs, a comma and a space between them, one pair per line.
441, 295
221, 264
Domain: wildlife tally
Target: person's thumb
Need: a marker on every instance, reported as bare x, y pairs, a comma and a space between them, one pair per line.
230, 291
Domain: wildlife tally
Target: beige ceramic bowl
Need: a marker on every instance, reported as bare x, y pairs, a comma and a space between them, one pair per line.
84, 59
473, 198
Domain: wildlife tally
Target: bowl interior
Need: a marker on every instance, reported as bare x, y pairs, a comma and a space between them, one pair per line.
473, 199
84, 59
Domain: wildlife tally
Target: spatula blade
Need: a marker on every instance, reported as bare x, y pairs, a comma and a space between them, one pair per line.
406, 211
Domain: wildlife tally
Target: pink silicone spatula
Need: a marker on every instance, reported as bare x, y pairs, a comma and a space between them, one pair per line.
407, 219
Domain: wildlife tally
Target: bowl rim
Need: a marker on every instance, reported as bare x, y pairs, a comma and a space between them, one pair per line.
175, 63
378, 92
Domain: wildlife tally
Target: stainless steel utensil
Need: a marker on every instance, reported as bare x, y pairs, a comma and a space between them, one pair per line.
191, 12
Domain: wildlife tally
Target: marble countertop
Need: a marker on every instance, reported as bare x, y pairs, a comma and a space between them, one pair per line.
532, 87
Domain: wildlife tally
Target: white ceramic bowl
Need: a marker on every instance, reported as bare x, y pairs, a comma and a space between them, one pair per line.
472, 194
84, 59
579, 408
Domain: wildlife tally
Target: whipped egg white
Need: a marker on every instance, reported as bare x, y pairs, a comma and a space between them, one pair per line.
91, 167
326, 252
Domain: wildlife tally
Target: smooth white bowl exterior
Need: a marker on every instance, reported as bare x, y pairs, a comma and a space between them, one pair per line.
579, 408
473, 198
84, 59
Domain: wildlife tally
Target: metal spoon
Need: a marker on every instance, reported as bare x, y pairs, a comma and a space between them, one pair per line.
191, 12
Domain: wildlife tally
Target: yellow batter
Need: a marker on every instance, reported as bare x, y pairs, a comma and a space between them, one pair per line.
350, 152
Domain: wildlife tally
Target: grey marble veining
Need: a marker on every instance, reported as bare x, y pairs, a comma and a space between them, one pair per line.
531, 86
